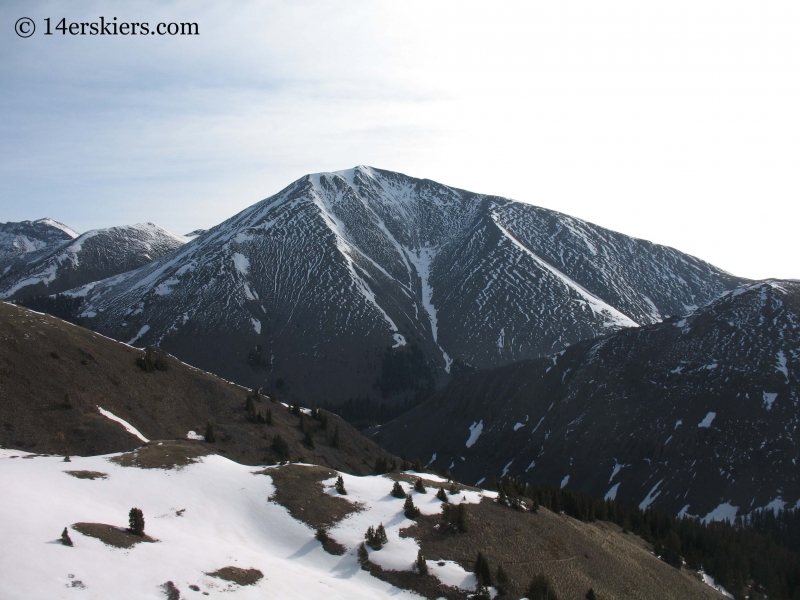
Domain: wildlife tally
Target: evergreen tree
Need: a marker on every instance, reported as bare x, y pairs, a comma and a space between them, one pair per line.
210, 437
419, 486
268, 417
381, 534
136, 521
308, 440
250, 409
540, 588
65, 539
590, 595
323, 419
340, 486
442, 495
336, 442
453, 488
482, 569
501, 581
672, 550
397, 490
296, 409
422, 566
363, 555
280, 446
411, 511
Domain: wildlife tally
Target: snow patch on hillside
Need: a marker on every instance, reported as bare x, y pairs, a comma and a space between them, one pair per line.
475, 431
128, 427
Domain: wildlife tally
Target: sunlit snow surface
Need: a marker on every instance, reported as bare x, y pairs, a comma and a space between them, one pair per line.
226, 519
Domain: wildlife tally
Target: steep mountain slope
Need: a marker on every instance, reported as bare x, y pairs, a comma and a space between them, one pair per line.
20, 240
696, 415
95, 255
63, 390
368, 284
227, 531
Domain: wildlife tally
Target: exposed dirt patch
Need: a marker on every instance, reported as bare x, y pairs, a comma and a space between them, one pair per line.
112, 536
163, 455
425, 585
299, 489
237, 575
574, 555
432, 485
88, 474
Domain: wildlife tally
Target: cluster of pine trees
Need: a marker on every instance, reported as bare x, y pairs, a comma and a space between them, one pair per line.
61, 306
759, 552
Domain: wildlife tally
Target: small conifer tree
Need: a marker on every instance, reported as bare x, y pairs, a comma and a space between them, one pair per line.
442, 495
268, 417
397, 490
501, 581
482, 570
363, 555
422, 566
340, 486
380, 532
136, 521
323, 419
540, 588
280, 446
308, 440
65, 539
590, 595
411, 511
210, 437
296, 409
250, 409
336, 442
419, 486
453, 488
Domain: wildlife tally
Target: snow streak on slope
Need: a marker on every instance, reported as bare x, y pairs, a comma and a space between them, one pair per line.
615, 318
205, 516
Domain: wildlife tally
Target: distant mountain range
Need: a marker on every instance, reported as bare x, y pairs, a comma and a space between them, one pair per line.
368, 284
56, 263
695, 415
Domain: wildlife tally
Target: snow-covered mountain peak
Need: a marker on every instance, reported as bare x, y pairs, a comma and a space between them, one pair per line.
368, 261
94, 255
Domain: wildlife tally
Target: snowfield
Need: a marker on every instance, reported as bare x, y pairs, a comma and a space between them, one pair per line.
205, 516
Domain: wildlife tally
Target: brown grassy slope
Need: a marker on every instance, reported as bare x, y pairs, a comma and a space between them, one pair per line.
53, 375
575, 556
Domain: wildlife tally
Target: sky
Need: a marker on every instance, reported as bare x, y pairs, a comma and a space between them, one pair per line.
675, 122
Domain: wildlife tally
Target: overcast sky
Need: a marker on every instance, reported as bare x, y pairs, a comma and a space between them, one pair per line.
676, 122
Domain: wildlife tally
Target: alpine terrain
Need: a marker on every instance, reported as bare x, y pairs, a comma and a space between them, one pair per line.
697, 415
368, 284
59, 262
20, 240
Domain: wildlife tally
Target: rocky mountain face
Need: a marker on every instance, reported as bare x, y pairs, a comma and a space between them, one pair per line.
77, 260
371, 284
20, 240
695, 415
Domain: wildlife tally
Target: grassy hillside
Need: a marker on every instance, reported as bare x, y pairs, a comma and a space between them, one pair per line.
55, 376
